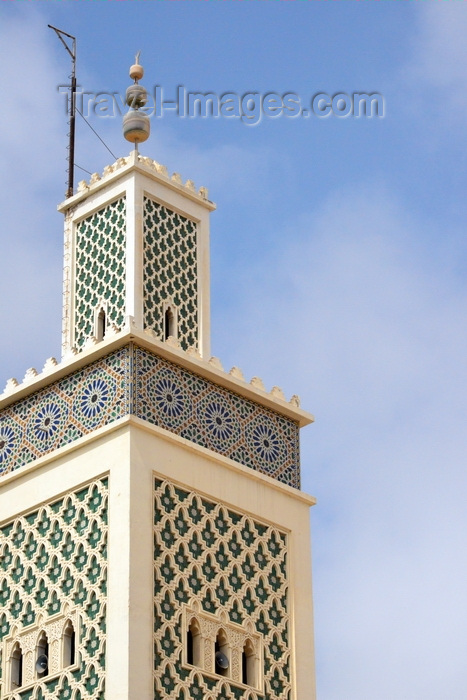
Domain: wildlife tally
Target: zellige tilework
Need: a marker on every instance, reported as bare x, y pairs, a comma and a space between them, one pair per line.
135, 380
225, 560
170, 271
211, 416
100, 268
74, 406
52, 559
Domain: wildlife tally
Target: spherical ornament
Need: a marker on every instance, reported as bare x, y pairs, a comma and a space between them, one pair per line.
136, 71
136, 126
136, 96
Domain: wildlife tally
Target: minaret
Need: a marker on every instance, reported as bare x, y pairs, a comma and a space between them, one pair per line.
137, 247
154, 541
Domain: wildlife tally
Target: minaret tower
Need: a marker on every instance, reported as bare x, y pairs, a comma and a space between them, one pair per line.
154, 541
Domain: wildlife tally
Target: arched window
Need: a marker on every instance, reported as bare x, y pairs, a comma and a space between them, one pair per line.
169, 324
42, 655
101, 325
193, 643
249, 664
69, 645
16, 672
222, 664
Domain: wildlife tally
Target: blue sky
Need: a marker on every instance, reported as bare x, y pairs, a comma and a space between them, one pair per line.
340, 244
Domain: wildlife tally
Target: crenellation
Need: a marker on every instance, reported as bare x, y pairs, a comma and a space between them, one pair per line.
277, 392
111, 330
194, 352
257, 382
215, 362
11, 385
90, 342
151, 333
50, 364
71, 352
173, 342
162, 169
30, 374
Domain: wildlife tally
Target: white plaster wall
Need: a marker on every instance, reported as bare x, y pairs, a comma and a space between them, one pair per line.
131, 454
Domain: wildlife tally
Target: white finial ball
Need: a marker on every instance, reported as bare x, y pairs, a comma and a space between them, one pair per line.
136, 71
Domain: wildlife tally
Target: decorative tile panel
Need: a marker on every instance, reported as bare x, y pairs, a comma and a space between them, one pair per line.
170, 271
53, 559
100, 269
133, 380
74, 406
226, 563
198, 410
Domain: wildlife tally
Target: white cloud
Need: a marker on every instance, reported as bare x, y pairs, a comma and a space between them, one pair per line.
368, 318
438, 66
32, 118
32, 143
441, 51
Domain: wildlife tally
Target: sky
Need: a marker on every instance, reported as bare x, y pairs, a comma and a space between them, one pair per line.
338, 260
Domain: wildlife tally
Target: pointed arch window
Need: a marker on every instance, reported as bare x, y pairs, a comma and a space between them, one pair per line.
101, 325
249, 666
170, 326
16, 668
222, 647
42, 650
193, 643
69, 645
218, 646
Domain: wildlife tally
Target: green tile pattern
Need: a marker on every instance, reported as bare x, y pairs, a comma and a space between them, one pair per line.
52, 556
100, 269
227, 561
170, 271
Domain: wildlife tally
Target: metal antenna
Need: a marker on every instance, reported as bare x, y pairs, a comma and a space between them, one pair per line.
71, 148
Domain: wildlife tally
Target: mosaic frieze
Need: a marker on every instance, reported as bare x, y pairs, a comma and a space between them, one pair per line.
55, 559
64, 411
229, 566
198, 410
133, 380
170, 271
100, 269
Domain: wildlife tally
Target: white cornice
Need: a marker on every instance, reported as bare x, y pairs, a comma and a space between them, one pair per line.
144, 165
211, 370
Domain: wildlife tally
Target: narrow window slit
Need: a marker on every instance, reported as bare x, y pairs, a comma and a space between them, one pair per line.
193, 643
69, 645
169, 324
16, 678
42, 651
189, 647
101, 325
222, 665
